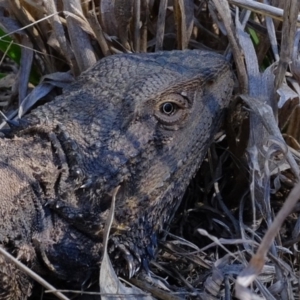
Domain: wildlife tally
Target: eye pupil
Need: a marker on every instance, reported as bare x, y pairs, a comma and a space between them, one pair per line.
168, 108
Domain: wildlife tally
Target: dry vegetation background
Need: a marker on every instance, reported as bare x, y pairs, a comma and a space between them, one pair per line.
227, 218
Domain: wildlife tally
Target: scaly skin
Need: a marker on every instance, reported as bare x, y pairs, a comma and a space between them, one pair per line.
143, 122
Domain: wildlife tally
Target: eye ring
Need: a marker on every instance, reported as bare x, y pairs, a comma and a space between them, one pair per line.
171, 110
168, 108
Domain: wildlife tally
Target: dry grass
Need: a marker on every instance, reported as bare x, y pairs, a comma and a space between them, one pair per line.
250, 169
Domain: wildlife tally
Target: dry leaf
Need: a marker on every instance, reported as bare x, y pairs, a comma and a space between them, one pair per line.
110, 286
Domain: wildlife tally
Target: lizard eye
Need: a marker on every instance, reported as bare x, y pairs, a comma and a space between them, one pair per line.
171, 109
168, 108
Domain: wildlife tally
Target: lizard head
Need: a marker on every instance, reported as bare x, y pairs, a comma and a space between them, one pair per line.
144, 121
176, 105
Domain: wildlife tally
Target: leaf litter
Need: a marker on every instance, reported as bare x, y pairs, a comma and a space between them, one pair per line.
237, 231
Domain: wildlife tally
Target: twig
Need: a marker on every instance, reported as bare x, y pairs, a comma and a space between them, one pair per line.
32, 274
260, 8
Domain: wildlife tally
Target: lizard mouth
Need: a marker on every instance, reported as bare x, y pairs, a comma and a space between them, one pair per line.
132, 243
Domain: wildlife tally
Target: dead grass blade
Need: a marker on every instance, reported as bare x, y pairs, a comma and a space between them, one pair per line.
47, 84
295, 66
108, 18
25, 18
180, 21
224, 11
257, 262
144, 28
136, 22
261, 8
63, 45
80, 41
25, 67
159, 293
124, 14
273, 40
290, 15
265, 114
94, 23
116, 17
160, 31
